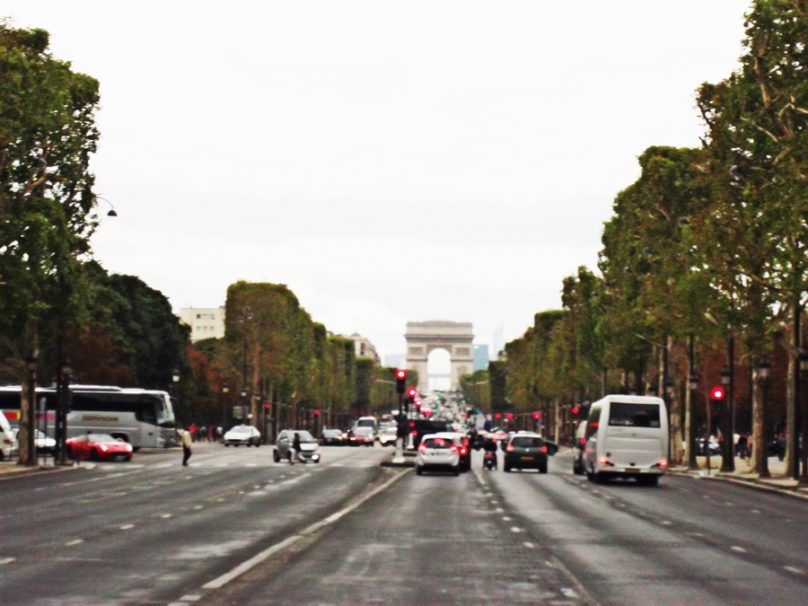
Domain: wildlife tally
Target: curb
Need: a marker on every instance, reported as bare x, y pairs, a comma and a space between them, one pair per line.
785, 491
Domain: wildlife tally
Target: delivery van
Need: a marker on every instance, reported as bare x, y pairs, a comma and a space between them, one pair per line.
626, 437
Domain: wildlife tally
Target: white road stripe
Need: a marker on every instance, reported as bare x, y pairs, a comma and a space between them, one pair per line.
191, 598
529, 545
738, 549
262, 556
568, 593
516, 529
4, 561
165, 516
127, 526
794, 569
74, 542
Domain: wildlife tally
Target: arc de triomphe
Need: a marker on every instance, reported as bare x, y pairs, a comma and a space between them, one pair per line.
425, 337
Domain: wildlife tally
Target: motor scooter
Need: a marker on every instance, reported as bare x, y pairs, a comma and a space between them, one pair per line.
490, 460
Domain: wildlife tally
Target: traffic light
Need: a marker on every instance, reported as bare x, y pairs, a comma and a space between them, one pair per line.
267, 405
401, 379
316, 412
717, 393
575, 410
509, 416
411, 393
497, 415
537, 416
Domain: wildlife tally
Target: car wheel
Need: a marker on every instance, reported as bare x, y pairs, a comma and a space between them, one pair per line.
226, 444
275, 456
543, 468
508, 468
95, 456
456, 471
418, 470
601, 478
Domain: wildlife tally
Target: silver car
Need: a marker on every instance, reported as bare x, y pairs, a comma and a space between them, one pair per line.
309, 448
438, 452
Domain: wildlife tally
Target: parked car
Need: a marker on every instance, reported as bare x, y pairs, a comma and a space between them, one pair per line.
332, 437
309, 449
243, 435
527, 450
98, 447
362, 436
44, 444
438, 452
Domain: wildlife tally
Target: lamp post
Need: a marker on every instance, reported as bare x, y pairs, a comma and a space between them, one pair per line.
728, 430
225, 389
29, 429
692, 463
62, 404
763, 370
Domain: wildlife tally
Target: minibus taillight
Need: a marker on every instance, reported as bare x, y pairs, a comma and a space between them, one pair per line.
605, 461
662, 464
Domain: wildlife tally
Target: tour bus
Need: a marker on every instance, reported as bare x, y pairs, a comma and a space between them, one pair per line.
626, 436
142, 417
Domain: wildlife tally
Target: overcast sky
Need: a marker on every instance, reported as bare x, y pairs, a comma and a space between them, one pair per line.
388, 161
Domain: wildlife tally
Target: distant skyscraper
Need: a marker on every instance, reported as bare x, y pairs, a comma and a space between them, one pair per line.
498, 342
480, 357
394, 361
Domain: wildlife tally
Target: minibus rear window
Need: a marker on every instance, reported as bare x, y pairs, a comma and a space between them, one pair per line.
634, 415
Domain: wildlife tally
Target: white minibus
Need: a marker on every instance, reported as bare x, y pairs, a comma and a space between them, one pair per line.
627, 436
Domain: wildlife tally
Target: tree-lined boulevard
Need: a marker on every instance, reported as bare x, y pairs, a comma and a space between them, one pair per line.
236, 528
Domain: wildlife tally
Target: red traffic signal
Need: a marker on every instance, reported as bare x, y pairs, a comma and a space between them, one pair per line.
267, 405
509, 416
316, 412
497, 415
575, 410
427, 413
401, 374
717, 393
537, 416
412, 392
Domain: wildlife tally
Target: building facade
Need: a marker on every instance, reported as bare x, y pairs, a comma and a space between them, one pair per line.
363, 348
205, 322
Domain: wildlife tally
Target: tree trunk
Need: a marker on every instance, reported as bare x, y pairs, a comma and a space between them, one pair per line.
758, 429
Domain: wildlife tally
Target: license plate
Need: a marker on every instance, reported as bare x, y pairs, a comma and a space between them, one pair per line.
120, 457
632, 470
527, 458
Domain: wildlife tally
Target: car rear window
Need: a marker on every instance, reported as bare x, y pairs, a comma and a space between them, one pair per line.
634, 415
438, 443
525, 442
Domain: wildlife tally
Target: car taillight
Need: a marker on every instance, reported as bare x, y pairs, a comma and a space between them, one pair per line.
662, 464
463, 450
453, 448
582, 441
543, 448
604, 461
422, 448
509, 448
414, 433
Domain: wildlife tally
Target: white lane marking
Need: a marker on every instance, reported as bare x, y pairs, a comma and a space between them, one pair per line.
252, 464
74, 542
4, 561
506, 519
516, 529
40, 489
568, 592
165, 516
198, 507
728, 503
529, 545
191, 597
268, 552
756, 511
698, 535
499, 510
163, 465
666, 523
127, 526
794, 569
738, 549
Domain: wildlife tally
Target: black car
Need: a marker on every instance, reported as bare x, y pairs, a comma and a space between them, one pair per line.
421, 427
528, 451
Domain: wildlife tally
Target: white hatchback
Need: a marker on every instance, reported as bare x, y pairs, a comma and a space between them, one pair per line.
436, 452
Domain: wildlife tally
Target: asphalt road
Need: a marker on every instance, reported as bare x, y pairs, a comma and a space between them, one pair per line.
235, 528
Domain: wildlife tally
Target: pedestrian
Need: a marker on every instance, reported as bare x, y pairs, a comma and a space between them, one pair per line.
295, 447
742, 446
185, 441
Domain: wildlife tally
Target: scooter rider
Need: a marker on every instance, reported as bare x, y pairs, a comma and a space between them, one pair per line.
490, 448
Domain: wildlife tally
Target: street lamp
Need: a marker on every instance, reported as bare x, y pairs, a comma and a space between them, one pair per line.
62, 400
692, 463
111, 212
728, 449
30, 451
763, 371
225, 389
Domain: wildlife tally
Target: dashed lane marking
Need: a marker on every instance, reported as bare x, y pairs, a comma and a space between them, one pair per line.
127, 526
569, 593
4, 561
74, 542
506, 519
756, 511
738, 549
794, 569
165, 516
666, 523
529, 545
516, 529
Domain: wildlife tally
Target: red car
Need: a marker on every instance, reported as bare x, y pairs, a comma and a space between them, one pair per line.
99, 447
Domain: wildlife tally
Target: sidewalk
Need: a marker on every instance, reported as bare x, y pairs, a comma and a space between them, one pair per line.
744, 475
10, 469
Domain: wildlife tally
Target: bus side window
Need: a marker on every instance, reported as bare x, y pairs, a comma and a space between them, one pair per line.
146, 412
